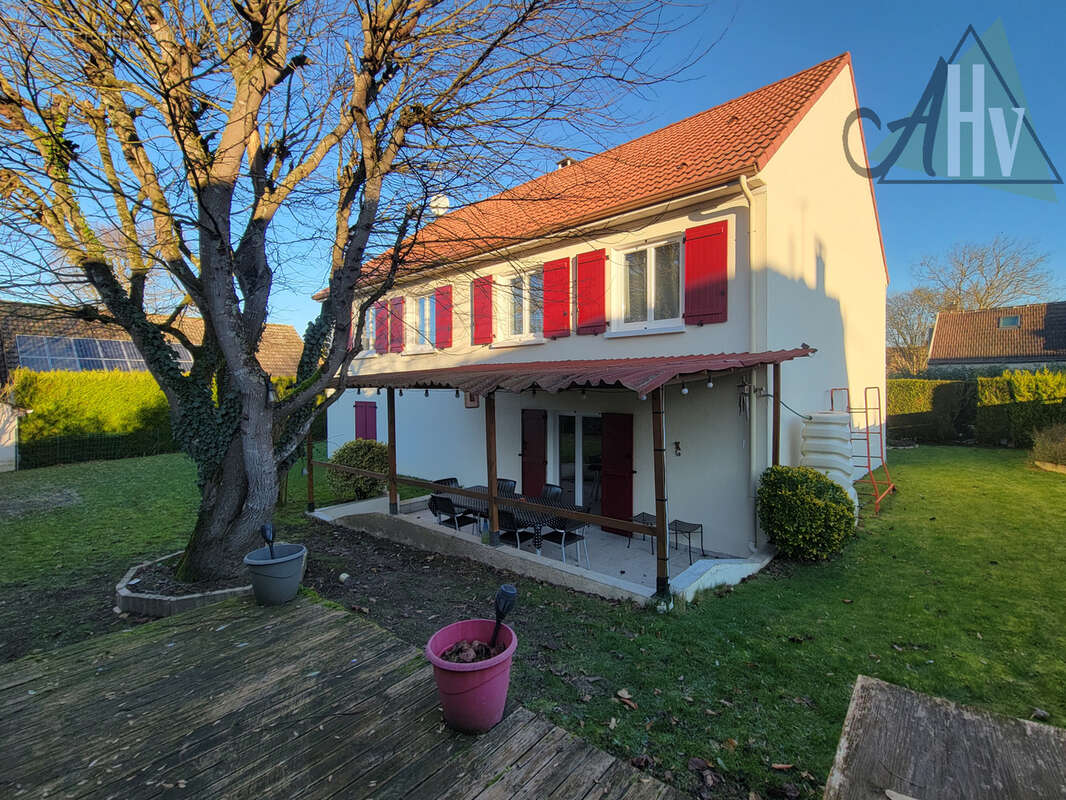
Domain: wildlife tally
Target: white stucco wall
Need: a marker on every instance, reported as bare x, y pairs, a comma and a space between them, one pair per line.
825, 274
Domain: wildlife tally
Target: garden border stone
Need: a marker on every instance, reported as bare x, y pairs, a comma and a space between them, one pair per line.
162, 605
1047, 466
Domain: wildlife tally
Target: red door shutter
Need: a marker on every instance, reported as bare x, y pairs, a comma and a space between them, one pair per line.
481, 296
707, 273
591, 293
381, 327
396, 325
366, 420
616, 480
557, 298
442, 300
534, 450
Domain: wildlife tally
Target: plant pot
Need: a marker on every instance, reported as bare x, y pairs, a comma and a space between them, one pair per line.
473, 695
276, 580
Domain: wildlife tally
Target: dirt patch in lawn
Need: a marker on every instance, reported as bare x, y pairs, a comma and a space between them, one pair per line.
47, 498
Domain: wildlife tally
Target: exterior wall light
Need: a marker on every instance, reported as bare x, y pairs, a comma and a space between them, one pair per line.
710, 384
684, 390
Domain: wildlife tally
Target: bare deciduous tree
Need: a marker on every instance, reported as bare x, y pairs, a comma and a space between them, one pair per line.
237, 133
1002, 272
909, 318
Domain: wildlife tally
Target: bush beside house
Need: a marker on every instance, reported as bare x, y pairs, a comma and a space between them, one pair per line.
1049, 445
807, 516
362, 454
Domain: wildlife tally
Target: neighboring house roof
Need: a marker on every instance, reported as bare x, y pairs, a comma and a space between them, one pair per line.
279, 350
978, 337
697, 153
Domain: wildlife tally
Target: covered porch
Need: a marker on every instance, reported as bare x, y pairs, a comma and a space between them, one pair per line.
570, 488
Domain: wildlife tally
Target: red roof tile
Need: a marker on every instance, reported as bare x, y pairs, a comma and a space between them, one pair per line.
974, 337
639, 374
697, 153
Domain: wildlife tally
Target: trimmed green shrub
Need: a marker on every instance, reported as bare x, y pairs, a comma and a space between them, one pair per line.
1049, 444
807, 516
1018, 403
930, 410
362, 454
84, 416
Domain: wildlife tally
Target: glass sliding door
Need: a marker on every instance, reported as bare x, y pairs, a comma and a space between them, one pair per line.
579, 447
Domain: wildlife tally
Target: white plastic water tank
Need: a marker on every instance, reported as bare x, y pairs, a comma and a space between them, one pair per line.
826, 447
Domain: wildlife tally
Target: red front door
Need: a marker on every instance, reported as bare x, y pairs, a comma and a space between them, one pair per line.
534, 450
617, 478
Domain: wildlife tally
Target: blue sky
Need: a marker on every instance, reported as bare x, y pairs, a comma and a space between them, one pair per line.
894, 48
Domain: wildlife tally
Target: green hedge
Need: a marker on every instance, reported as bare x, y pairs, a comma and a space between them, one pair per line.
87, 416
930, 410
1016, 404
84, 416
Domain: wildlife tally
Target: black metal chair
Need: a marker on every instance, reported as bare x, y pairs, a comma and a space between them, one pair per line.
448, 482
686, 529
643, 518
551, 492
510, 527
447, 514
505, 486
568, 531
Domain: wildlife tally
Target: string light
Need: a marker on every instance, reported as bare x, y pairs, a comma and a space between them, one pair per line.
684, 389
427, 392
710, 384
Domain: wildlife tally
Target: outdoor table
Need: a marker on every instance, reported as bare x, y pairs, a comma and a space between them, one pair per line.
524, 518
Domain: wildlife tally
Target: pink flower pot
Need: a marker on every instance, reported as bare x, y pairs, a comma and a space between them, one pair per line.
473, 695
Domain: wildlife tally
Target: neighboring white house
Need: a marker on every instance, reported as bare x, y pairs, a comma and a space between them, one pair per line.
741, 232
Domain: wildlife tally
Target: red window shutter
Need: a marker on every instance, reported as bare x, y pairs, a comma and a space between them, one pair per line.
557, 298
366, 420
396, 325
442, 300
707, 273
381, 327
481, 297
591, 293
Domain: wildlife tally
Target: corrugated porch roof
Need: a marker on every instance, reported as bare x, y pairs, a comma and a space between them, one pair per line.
641, 375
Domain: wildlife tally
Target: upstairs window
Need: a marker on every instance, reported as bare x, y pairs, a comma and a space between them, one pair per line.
651, 284
425, 322
365, 346
1013, 321
524, 304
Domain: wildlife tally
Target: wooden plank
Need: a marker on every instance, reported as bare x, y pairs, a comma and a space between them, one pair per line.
490, 462
777, 415
584, 776
499, 781
662, 543
927, 748
310, 474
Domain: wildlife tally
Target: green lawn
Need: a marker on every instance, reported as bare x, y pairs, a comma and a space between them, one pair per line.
955, 590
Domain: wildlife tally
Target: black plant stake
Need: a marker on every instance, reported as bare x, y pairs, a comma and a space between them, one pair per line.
506, 598
267, 532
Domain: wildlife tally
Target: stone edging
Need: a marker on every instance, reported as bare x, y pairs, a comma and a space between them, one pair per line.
162, 605
1047, 466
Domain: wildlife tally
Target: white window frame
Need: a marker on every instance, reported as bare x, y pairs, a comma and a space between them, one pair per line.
427, 342
369, 325
619, 288
505, 334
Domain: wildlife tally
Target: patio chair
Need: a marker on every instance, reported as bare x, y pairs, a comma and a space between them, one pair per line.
510, 527
686, 529
568, 531
643, 518
448, 482
505, 486
551, 492
447, 514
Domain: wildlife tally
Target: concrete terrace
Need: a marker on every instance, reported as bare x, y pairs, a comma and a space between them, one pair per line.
234, 700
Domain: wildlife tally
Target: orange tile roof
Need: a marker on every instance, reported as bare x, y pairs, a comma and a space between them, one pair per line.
975, 337
697, 153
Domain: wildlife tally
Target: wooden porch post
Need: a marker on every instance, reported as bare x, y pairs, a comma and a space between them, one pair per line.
662, 571
310, 474
490, 463
394, 499
777, 414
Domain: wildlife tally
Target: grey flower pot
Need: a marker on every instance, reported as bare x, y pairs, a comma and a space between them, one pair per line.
276, 580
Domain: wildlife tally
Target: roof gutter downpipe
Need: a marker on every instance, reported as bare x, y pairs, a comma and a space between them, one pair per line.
753, 545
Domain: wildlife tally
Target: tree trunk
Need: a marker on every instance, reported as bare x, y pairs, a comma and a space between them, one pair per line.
234, 504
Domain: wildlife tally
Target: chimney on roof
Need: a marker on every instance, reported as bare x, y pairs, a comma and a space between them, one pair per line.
565, 161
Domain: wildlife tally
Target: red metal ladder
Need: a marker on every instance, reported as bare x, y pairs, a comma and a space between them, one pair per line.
871, 424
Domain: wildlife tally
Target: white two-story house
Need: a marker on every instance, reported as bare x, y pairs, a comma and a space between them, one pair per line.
686, 268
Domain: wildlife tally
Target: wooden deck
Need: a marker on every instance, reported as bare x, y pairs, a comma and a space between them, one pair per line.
298, 702
903, 745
